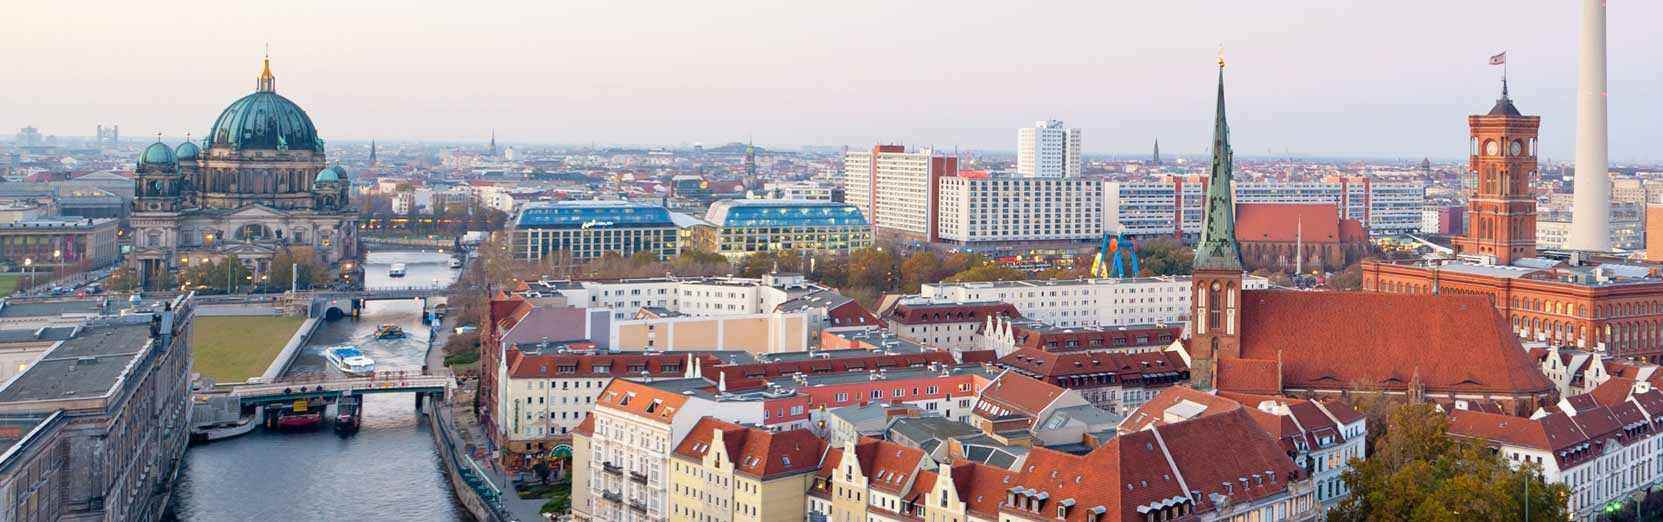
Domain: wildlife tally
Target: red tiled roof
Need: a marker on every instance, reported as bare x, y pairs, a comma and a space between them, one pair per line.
834, 365
1281, 223
981, 487
1250, 376
756, 452
576, 365
888, 466
1128, 368
1018, 393
1063, 340
978, 356
907, 313
1611, 392
587, 427
1331, 340
640, 400
1153, 411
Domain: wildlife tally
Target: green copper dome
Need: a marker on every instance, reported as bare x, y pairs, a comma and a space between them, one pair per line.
265, 120
335, 173
158, 154
186, 151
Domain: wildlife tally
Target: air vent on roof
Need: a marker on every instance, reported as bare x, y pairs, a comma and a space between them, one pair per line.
86, 360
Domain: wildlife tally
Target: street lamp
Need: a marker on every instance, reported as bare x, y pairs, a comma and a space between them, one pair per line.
29, 265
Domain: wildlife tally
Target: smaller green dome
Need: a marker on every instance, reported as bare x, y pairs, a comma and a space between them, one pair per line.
186, 151
335, 173
158, 154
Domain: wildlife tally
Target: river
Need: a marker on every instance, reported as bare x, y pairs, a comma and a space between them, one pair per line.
388, 470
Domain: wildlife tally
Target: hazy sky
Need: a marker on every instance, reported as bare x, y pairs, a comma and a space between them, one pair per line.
1330, 77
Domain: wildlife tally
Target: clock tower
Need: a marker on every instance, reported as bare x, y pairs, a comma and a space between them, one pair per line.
1501, 211
1215, 303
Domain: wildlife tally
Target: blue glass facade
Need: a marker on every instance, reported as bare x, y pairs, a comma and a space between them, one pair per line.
581, 230
799, 214
567, 215
748, 226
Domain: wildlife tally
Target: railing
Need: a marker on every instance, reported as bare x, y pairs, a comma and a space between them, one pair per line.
638, 505
612, 495
612, 468
380, 381
638, 477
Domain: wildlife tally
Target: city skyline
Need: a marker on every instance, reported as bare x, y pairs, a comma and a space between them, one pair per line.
682, 75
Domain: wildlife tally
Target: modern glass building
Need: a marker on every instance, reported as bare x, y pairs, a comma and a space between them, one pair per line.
590, 229
744, 226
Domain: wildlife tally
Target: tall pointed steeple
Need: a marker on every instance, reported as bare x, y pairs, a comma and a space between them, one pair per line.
1157, 152
372, 153
266, 82
1218, 248
493, 142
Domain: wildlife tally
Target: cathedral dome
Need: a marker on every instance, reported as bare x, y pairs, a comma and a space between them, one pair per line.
265, 120
158, 154
186, 151
335, 173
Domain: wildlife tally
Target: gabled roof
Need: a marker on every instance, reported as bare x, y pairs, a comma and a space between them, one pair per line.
888, 466
523, 365
1316, 223
1125, 365
755, 452
1019, 394
640, 400
862, 363
1329, 340
936, 313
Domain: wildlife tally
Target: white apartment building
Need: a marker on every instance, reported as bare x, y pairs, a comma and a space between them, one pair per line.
1172, 205
545, 396
1004, 208
1087, 302
895, 189
1603, 452
1048, 150
637, 427
700, 296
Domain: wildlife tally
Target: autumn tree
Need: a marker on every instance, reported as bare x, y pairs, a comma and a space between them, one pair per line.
1418, 471
921, 267
872, 268
987, 272
1165, 256
305, 259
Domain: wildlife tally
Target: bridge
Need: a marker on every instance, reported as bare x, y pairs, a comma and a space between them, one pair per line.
333, 388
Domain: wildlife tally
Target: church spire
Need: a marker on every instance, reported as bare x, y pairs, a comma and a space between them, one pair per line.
266, 82
1218, 248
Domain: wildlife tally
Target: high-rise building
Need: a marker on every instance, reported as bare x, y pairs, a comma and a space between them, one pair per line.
896, 189
1502, 210
1007, 210
1048, 150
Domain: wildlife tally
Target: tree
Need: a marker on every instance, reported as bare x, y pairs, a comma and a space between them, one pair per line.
1419, 472
987, 272
285, 261
872, 268
692, 262
1165, 256
123, 279
1351, 278
756, 264
919, 268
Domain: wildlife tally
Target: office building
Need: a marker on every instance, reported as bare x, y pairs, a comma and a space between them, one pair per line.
747, 226
49, 243
1085, 302
1048, 150
584, 230
896, 189
1172, 205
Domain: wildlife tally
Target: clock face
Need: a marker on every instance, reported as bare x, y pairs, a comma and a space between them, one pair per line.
1492, 148
1515, 149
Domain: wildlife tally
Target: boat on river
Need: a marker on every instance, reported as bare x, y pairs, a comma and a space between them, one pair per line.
389, 331
349, 360
456, 262
223, 430
397, 270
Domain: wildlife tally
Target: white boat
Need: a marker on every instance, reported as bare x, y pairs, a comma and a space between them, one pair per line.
456, 262
349, 360
397, 270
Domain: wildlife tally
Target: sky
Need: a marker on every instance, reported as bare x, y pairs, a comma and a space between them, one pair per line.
1309, 77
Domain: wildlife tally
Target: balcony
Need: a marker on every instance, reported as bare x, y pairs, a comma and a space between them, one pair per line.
612, 495
638, 477
612, 468
638, 505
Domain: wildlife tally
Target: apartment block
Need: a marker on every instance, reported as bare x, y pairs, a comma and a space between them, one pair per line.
1048, 150
982, 209
1086, 302
896, 189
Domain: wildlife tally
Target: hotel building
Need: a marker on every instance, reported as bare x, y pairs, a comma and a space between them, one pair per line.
977, 209
587, 230
747, 226
896, 189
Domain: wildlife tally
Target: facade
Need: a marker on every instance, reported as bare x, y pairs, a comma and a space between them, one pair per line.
259, 183
1172, 206
1502, 208
724, 472
948, 325
813, 227
1048, 150
1297, 238
1005, 336
100, 422
896, 189
869, 480
1017, 410
696, 296
980, 210
772, 332
545, 395
1109, 302
800, 190
49, 243
584, 230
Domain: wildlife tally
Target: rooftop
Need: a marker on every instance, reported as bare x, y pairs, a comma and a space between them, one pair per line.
593, 214
89, 365
13, 309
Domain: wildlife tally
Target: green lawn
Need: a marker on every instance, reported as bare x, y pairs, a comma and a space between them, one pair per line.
8, 283
232, 349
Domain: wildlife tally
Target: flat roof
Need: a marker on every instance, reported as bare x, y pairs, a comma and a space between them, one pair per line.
12, 309
86, 366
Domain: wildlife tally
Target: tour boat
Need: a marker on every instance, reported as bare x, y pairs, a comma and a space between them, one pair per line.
389, 331
397, 270
303, 414
456, 262
349, 360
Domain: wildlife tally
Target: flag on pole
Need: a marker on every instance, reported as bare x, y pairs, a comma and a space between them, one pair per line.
1499, 59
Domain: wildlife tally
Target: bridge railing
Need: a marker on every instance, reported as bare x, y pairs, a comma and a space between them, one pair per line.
394, 379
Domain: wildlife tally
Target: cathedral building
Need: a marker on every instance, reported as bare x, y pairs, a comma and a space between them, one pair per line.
258, 183
1450, 349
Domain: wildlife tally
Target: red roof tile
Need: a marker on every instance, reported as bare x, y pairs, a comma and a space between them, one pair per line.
870, 362
640, 400
888, 466
1018, 393
1281, 223
1128, 368
753, 451
908, 313
1330, 340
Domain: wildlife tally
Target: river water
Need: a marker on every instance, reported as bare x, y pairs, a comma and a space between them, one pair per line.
389, 470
